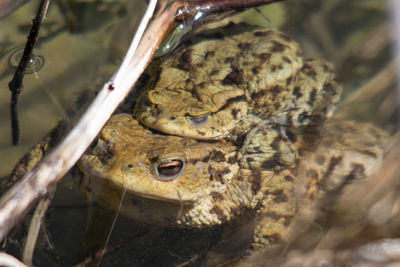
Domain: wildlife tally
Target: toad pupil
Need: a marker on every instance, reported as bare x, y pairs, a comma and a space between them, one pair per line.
170, 168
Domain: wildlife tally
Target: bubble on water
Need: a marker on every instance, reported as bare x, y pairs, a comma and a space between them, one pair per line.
34, 65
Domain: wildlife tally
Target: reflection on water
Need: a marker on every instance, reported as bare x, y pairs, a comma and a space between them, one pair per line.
81, 44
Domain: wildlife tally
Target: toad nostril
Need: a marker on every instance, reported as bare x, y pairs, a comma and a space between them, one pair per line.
145, 104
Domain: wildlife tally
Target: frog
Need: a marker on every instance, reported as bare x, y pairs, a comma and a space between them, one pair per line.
182, 182
221, 77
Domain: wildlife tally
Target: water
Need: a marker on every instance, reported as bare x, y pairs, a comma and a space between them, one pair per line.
81, 52
73, 63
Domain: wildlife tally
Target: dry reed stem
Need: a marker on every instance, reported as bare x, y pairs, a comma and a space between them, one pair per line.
34, 184
33, 231
8, 260
370, 90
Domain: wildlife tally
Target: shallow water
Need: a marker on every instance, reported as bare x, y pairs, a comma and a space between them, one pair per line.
77, 63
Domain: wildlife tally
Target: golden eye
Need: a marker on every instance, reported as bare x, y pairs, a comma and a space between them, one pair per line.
199, 120
167, 170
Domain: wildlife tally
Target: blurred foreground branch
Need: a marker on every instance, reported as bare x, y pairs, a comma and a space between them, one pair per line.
8, 260
356, 213
394, 6
7, 7
35, 184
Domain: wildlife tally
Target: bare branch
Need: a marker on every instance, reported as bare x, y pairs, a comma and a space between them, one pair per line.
35, 183
8, 260
33, 232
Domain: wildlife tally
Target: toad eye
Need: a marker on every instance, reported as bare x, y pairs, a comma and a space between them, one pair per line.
167, 170
199, 120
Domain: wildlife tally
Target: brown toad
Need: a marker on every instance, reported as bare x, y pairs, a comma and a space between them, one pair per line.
171, 180
224, 75
175, 181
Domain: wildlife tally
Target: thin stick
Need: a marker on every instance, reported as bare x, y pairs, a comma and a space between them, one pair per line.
33, 232
370, 90
104, 251
35, 183
108, 249
8, 260
204, 9
16, 84
212, 6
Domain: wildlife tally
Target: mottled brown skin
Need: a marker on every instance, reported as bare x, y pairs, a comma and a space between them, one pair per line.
127, 148
345, 152
210, 189
216, 76
213, 187
267, 149
314, 95
341, 153
209, 86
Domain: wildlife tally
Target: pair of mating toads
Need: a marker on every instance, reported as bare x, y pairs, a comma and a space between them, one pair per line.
233, 121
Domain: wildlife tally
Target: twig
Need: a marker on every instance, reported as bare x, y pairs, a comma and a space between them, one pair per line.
370, 90
212, 6
34, 185
7, 7
199, 11
34, 228
16, 84
8, 260
368, 49
317, 26
189, 261
109, 248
